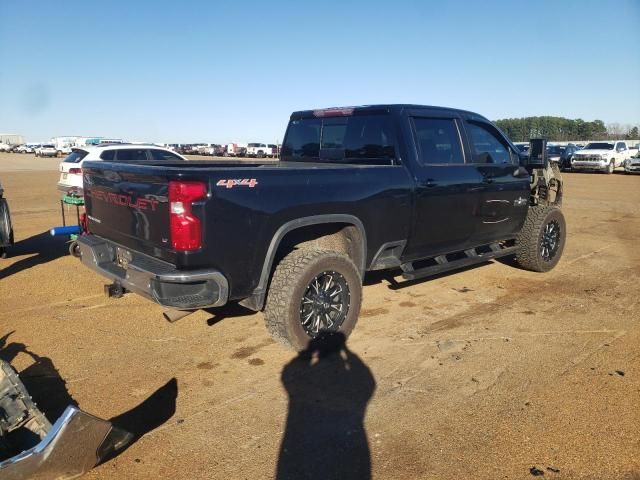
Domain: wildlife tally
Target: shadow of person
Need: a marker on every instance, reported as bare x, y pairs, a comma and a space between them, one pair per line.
329, 388
45, 247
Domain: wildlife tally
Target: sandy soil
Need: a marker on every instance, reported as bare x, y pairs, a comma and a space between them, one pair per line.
486, 373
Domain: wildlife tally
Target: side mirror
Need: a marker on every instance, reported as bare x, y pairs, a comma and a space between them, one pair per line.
538, 153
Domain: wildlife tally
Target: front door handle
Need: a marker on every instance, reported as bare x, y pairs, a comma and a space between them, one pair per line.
429, 183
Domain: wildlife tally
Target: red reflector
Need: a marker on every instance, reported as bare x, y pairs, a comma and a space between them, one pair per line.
76, 171
185, 227
334, 112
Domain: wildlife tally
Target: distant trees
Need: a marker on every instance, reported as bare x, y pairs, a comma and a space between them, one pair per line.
563, 129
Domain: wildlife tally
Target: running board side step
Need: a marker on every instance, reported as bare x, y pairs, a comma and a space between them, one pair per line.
442, 263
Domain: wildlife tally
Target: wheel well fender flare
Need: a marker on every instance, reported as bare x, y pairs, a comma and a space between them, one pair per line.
283, 230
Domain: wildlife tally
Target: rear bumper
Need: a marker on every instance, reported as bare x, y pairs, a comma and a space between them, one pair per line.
156, 280
66, 187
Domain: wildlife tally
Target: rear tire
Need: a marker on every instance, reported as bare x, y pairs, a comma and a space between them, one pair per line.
296, 280
540, 243
6, 228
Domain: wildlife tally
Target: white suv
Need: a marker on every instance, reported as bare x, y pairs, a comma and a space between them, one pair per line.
46, 150
71, 167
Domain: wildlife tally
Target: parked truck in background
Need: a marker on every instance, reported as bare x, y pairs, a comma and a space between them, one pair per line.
418, 189
603, 156
235, 150
259, 150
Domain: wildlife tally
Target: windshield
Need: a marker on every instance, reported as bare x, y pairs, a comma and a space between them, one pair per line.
254, 144
555, 150
76, 156
362, 139
599, 146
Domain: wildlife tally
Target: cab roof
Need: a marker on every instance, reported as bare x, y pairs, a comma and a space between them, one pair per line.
378, 108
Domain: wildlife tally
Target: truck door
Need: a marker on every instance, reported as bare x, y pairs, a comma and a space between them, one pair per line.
504, 200
446, 188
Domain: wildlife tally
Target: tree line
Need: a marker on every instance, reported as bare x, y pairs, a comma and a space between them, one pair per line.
562, 129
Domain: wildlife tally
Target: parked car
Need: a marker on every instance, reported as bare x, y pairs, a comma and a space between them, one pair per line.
259, 150
358, 189
31, 147
601, 156
632, 165
71, 167
235, 150
47, 150
5, 147
216, 150
566, 155
275, 149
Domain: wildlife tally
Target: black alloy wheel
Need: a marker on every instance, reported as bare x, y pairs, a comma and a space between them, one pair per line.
550, 241
325, 304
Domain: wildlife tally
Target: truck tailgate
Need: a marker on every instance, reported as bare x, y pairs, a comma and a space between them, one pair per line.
130, 208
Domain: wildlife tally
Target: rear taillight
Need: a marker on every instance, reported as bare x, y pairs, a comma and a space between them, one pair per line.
76, 171
185, 227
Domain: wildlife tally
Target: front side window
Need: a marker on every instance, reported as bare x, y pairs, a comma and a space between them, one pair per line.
438, 140
487, 145
620, 146
362, 139
131, 155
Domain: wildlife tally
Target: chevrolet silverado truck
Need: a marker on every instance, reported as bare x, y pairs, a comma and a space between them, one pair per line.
417, 189
601, 156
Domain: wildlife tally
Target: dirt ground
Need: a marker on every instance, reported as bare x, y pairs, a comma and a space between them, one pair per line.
488, 373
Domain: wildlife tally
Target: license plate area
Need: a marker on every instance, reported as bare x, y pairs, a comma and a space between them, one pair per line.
123, 257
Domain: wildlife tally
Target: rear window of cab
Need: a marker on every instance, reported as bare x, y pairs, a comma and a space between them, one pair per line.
359, 139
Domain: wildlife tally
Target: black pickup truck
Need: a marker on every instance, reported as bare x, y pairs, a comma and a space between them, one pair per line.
415, 188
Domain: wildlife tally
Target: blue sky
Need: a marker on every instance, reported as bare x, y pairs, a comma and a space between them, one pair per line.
211, 71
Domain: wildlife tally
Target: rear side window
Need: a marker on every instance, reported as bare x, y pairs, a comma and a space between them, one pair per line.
163, 155
303, 140
108, 155
131, 155
438, 140
362, 139
487, 145
76, 156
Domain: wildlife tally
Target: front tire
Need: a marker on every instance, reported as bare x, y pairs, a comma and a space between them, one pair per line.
540, 243
611, 167
312, 293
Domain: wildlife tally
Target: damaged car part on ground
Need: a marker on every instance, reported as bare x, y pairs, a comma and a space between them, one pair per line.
31, 447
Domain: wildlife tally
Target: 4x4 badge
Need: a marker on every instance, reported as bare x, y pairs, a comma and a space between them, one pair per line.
242, 182
519, 202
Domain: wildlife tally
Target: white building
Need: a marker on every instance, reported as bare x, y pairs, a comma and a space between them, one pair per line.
11, 139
